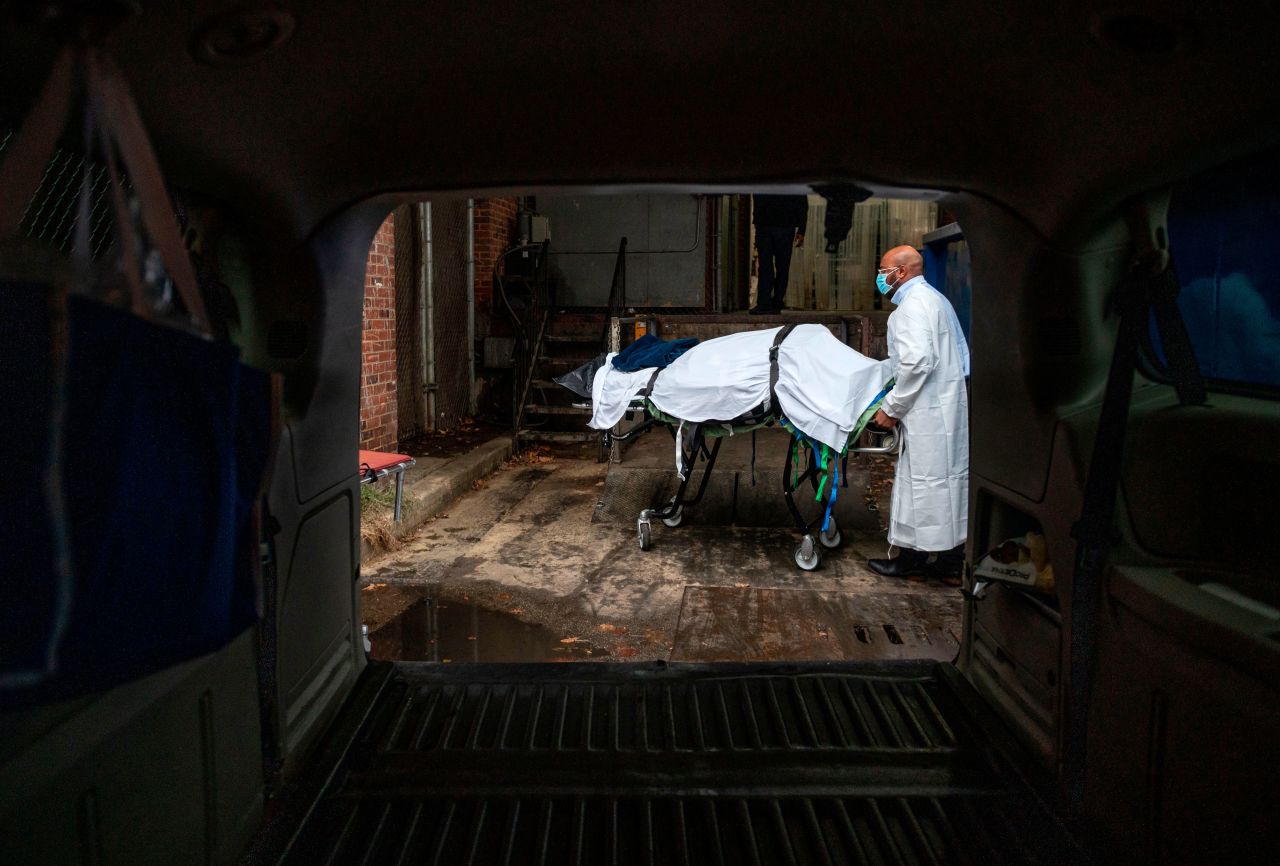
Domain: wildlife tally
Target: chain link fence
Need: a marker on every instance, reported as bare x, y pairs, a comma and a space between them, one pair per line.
411, 417
845, 280
52, 214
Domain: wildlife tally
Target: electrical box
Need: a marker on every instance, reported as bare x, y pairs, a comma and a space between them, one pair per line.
540, 230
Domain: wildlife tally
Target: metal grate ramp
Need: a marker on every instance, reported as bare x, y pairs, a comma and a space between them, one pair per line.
696, 764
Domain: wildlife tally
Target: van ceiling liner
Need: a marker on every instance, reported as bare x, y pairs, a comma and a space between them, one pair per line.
619, 764
1047, 111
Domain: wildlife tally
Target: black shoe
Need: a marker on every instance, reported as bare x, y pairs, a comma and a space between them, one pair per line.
908, 563
949, 566
760, 311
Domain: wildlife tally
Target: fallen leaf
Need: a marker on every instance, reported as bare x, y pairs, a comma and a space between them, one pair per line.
742, 585
374, 585
625, 652
504, 596
471, 637
610, 628
571, 640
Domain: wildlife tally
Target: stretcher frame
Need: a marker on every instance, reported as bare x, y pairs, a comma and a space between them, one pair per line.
813, 538
808, 553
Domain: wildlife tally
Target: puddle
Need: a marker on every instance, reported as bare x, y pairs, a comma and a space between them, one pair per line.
442, 631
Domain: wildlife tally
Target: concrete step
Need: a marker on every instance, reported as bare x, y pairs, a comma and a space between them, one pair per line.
575, 339
437, 483
532, 435
544, 409
561, 362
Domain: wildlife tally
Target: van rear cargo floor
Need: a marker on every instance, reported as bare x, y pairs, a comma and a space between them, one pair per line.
660, 764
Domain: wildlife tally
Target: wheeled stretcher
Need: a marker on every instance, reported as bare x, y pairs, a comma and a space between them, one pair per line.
804, 464
811, 461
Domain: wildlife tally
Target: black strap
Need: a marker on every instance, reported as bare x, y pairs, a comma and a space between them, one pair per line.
783, 333
753, 458
1179, 354
1139, 293
648, 388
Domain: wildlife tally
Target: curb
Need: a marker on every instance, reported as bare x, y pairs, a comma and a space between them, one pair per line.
435, 492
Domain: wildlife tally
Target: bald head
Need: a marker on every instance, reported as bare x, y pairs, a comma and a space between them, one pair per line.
904, 257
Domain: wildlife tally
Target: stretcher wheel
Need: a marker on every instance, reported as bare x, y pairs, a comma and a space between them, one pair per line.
646, 538
676, 519
830, 537
807, 554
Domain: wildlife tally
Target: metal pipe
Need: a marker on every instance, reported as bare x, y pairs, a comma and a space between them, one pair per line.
426, 314
425, 324
471, 305
717, 278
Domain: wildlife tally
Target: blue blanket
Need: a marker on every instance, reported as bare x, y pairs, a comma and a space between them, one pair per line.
649, 351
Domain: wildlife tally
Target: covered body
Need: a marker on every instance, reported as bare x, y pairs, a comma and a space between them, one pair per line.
823, 385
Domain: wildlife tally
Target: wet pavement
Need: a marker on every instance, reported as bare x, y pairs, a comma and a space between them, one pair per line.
440, 631
518, 568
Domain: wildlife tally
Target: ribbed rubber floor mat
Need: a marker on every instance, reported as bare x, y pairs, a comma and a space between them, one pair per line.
551, 764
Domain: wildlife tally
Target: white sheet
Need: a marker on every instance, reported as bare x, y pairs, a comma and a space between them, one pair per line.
823, 385
611, 393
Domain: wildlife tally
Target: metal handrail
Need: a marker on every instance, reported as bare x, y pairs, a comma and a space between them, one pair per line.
617, 293
890, 442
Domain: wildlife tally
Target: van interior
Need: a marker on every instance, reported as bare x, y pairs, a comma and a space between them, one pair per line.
1124, 408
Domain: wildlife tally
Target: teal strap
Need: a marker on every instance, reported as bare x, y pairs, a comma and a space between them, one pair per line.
822, 466
835, 488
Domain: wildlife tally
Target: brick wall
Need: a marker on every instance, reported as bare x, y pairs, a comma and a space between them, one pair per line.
495, 227
378, 344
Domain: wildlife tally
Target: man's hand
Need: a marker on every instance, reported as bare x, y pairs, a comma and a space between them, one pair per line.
799, 240
883, 421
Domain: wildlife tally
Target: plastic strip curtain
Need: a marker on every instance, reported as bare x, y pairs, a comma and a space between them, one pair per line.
846, 281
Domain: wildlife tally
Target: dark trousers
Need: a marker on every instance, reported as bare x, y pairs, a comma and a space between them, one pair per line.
775, 246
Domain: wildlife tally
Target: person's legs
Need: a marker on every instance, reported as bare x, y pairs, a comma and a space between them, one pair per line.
783, 243
766, 252
949, 565
946, 565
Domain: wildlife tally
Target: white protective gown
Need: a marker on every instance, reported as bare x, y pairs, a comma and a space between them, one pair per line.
929, 358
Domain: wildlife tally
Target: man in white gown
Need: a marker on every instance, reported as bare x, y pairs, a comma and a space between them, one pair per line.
929, 360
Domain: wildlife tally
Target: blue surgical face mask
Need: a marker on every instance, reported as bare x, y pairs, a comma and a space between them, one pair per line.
882, 280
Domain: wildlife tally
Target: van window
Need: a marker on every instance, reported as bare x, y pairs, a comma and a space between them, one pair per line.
1224, 231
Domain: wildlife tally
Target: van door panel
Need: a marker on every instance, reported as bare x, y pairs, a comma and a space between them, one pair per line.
1187, 682
94, 781
1177, 709
318, 658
